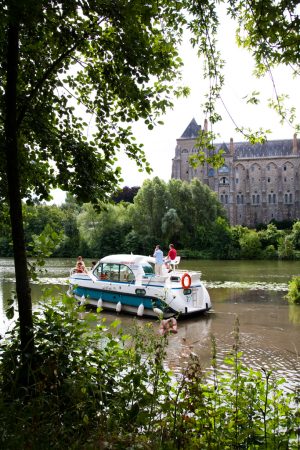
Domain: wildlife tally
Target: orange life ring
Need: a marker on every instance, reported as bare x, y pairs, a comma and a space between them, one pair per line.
186, 281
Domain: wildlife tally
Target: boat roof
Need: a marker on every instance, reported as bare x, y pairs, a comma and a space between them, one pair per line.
127, 259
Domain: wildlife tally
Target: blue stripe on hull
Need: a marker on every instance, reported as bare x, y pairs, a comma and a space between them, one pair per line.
115, 297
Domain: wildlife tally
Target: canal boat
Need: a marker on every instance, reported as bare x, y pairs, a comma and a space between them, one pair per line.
127, 283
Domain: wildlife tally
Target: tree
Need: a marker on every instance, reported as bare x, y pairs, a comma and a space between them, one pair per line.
286, 248
126, 194
296, 235
171, 226
150, 205
103, 232
117, 60
250, 245
221, 245
270, 236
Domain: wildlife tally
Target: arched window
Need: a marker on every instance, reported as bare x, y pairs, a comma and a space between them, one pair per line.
211, 172
240, 199
224, 180
223, 169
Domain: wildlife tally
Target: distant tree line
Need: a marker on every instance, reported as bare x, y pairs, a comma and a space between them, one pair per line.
186, 214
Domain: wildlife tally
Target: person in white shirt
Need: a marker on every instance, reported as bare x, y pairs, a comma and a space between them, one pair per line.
159, 260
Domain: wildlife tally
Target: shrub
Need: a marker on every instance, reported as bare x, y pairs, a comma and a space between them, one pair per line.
286, 248
293, 294
270, 252
250, 245
94, 387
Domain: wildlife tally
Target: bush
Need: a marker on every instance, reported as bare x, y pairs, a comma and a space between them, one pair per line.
94, 387
270, 252
87, 379
250, 245
293, 294
286, 248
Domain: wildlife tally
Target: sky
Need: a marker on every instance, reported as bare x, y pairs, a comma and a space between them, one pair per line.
159, 143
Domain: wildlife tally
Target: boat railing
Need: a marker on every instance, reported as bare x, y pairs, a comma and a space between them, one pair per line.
180, 272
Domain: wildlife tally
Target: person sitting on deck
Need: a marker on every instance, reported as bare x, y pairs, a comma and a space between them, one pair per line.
80, 266
171, 256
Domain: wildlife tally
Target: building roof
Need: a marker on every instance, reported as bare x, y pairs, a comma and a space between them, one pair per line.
280, 147
191, 131
283, 147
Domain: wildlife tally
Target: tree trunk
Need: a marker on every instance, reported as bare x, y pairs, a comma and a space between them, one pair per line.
14, 195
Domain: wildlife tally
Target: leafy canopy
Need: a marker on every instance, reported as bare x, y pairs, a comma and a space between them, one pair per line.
87, 69
112, 62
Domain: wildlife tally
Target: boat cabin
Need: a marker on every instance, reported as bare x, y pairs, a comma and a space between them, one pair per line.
122, 272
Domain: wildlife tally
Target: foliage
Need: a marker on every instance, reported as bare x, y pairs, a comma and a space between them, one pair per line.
104, 232
171, 226
126, 194
293, 294
85, 380
90, 61
270, 236
173, 211
193, 220
96, 387
250, 245
41, 247
221, 240
270, 252
296, 235
286, 248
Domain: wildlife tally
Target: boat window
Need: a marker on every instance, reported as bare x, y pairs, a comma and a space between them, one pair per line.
141, 292
126, 274
107, 271
175, 278
148, 269
98, 272
114, 272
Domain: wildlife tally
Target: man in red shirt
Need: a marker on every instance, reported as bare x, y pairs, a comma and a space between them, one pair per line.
171, 255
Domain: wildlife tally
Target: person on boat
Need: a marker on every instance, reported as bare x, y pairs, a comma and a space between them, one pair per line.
80, 266
171, 256
159, 260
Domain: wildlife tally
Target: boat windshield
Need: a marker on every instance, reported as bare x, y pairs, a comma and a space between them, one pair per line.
114, 272
148, 269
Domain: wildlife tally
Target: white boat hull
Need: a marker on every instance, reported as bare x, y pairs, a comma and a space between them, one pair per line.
155, 296
127, 283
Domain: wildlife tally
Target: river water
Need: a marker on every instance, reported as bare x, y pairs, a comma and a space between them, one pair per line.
250, 291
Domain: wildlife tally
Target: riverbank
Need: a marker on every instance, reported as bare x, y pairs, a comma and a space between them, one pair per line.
86, 395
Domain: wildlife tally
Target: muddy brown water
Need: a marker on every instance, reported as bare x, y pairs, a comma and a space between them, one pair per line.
250, 291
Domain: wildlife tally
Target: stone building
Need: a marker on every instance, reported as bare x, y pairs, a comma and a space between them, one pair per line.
256, 184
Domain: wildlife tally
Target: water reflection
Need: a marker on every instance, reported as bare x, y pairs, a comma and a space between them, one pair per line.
294, 314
